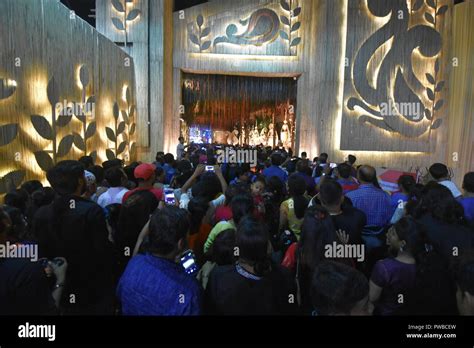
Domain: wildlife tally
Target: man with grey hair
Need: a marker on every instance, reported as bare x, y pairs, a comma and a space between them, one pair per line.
370, 198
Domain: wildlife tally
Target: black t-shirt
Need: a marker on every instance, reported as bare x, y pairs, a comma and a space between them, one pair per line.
24, 288
446, 237
346, 203
80, 235
230, 293
352, 220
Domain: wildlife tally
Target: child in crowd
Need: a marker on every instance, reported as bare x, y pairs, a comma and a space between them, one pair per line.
257, 189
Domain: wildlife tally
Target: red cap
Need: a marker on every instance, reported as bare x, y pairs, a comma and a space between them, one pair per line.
144, 171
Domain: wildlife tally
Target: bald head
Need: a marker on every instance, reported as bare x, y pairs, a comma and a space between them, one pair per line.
366, 174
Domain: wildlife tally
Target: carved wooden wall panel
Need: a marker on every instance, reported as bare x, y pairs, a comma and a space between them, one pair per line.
59, 81
395, 82
332, 33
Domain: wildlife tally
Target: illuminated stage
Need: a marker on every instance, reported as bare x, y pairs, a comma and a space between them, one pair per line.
238, 110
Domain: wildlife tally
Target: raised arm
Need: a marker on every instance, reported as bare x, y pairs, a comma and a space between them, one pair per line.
218, 171
199, 170
141, 237
283, 217
374, 292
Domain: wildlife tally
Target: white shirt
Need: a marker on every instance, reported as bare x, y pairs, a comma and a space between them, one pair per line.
179, 151
399, 213
452, 187
113, 195
186, 197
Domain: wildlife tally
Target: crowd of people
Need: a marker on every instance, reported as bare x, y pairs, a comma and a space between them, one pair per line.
190, 236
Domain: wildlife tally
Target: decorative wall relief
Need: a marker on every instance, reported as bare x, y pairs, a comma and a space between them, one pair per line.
8, 133
272, 30
85, 112
112, 133
433, 93
7, 88
433, 14
126, 14
260, 28
128, 115
48, 158
291, 24
395, 73
122, 131
59, 105
11, 181
198, 38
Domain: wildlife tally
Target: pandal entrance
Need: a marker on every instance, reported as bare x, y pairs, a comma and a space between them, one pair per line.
238, 110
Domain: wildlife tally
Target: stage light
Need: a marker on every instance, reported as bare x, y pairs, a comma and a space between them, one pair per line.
241, 57
341, 80
382, 154
11, 83
38, 89
5, 170
373, 77
78, 77
124, 93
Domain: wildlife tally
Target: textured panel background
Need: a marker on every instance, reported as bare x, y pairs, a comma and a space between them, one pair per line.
150, 43
135, 41
391, 47
269, 28
41, 40
265, 60
461, 117
331, 31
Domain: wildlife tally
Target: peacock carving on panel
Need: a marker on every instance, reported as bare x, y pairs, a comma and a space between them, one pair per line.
262, 27
395, 83
8, 133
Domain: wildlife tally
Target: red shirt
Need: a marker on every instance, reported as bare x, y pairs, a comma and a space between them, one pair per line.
157, 192
348, 185
289, 261
259, 207
223, 213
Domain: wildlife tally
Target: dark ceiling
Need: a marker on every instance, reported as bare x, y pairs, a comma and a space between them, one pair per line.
83, 9
184, 4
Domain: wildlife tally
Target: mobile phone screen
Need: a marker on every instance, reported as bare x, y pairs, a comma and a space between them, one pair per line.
209, 168
169, 197
188, 262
